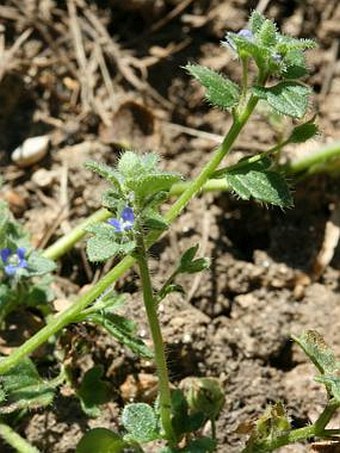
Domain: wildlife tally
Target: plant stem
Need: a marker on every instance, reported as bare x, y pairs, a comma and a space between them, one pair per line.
212, 165
317, 429
66, 242
160, 359
70, 314
14, 440
288, 438
325, 417
319, 157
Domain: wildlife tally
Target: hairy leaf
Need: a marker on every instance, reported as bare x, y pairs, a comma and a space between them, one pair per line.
123, 330
256, 21
140, 420
220, 91
24, 388
332, 384
288, 98
151, 184
255, 180
105, 243
39, 265
106, 172
303, 132
315, 347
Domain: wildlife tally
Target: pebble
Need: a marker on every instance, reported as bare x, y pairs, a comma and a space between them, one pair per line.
43, 178
31, 151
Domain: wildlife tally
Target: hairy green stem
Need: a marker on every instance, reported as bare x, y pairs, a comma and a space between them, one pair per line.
160, 359
69, 315
14, 440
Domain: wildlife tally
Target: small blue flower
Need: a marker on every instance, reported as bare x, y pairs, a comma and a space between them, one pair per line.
244, 33
13, 260
126, 221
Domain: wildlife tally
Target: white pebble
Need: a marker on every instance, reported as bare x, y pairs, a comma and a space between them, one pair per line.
31, 151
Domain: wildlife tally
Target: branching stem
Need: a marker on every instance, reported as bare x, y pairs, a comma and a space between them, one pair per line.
69, 315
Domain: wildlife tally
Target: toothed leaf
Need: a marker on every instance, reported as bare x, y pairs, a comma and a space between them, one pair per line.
255, 180
288, 98
303, 132
140, 420
106, 172
220, 91
124, 330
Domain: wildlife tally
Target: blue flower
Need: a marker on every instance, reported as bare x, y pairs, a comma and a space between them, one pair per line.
13, 260
244, 33
126, 221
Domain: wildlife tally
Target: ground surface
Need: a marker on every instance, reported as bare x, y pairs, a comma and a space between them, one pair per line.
124, 85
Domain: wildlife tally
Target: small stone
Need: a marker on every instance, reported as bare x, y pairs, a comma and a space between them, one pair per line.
31, 151
43, 177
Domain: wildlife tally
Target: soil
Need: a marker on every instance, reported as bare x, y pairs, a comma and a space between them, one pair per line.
236, 320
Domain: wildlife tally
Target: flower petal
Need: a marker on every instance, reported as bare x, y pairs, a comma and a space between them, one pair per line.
128, 215
21, 251
22, 263
11, 269
116, 225
5, 254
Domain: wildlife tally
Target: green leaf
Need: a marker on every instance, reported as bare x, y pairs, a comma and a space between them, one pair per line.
168, 289
93, 391
24, 388
189, 265
132, 165
39, 265
102, 440
288, 98
111, 199
140, 420
303, 132
221, 91
332, 384
123, 330
154, 221
106, 172
101, 248
253, 179
256, 21
294, 65
315, 347
154, 183
104, 244
267, 34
